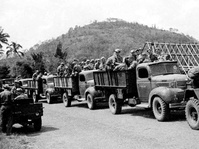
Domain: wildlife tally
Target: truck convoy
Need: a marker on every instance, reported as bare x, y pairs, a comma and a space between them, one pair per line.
161, 86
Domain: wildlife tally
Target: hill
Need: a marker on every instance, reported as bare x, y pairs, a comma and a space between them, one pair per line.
90, 41
101, 38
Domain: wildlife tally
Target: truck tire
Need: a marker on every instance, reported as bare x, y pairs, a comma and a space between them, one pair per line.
192, 112
160, 109
37, 124
66, 100
48, 98
34, 97
114, 106
90, 102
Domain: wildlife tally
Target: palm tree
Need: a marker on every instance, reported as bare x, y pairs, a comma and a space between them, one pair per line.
14, 49
3, 38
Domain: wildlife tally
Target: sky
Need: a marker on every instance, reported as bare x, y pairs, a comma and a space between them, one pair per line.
29, 22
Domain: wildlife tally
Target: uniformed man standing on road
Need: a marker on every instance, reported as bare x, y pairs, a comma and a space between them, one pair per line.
6, 103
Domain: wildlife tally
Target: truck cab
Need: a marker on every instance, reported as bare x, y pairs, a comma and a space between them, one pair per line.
157, 85
164, 77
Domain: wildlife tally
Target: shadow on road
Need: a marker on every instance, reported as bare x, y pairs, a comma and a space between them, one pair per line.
29, 130
177, 115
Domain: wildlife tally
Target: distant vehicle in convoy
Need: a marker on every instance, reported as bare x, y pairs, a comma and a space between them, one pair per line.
77, 88
157, 85
49, 92
9, 81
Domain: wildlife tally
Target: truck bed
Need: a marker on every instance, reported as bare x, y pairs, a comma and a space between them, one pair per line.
116, 79
67, 83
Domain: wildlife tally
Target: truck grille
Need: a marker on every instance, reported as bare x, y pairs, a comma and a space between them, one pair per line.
181, 84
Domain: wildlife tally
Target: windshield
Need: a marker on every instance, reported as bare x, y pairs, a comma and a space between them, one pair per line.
164, 69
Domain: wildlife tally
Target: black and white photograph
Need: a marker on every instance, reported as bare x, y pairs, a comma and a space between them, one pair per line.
99, 74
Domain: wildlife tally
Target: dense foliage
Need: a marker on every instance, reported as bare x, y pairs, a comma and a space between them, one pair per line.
93, 41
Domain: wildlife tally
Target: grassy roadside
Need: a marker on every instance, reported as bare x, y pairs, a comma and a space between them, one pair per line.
15, 141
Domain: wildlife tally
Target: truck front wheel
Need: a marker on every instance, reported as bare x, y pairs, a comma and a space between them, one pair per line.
160, 109
192, 112
66, 100
48, 98
37, 124
114, 105
90, 102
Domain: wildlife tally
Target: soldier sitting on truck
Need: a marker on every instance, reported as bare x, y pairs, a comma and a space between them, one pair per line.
97, 64
144, 58
123, 66
34, 76
102, 65
76, 68
87, 65
194, 75
114, 60
61, 69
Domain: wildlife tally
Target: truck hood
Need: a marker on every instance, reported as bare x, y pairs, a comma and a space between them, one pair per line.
179, 80
170, 78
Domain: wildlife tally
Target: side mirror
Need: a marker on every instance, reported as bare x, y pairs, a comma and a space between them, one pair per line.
149, 78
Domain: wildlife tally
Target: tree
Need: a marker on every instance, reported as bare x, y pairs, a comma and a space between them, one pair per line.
59, 54
3, 38
14, 49
38, 61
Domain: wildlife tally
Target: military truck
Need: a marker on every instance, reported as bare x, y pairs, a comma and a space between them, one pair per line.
25, 112
49, 92
187, 56
157, 85
76, 87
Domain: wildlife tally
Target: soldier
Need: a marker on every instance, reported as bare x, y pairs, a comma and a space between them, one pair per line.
97, 64
14, 88
87, 65
61, 69
114, 60
20, 94
40, 84
132, 57
77, 68
34, 76
102, 65
122, 66
194, 75
6, 103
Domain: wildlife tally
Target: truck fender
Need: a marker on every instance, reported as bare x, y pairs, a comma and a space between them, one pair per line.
192, 92
167, 94
91, 90
50, 90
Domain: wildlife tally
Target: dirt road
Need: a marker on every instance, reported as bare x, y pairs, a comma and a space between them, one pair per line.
77, 127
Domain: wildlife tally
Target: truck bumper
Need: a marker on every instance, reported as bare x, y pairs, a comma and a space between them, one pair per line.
177, 105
